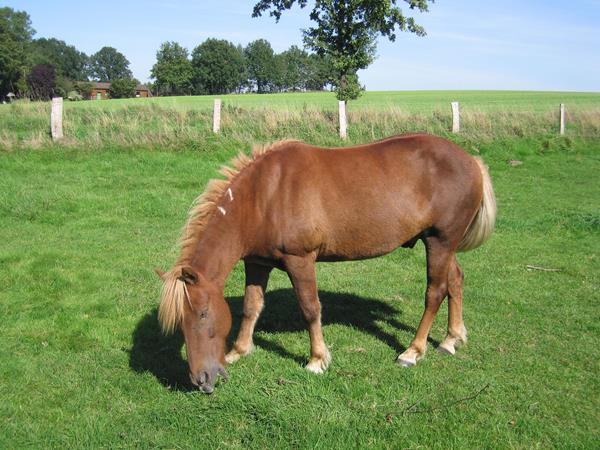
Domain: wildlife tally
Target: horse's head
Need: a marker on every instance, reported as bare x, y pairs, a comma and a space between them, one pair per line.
198, 307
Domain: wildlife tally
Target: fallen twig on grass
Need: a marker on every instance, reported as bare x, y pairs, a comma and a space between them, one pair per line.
414, 409
543, 269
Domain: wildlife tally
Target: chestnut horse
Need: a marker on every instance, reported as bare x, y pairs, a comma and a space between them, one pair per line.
291, 205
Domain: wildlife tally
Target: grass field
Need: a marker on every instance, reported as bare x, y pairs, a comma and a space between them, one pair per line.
409, 101
83, 364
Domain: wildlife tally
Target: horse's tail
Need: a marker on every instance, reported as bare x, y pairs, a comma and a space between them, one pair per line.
482, 226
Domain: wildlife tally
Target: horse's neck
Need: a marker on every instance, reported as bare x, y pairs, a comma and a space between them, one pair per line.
218, 249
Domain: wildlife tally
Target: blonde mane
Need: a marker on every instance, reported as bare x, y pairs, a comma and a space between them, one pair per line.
174, 292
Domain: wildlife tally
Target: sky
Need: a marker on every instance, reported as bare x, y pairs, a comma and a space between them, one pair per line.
470, 44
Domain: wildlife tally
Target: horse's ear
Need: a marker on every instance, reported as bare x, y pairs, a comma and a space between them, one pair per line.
188, 275
161, 273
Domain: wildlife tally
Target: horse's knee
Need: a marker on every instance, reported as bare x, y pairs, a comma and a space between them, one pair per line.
435, 295
311, 309
253, 302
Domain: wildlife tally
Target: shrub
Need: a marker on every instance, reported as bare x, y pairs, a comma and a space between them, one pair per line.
123, 88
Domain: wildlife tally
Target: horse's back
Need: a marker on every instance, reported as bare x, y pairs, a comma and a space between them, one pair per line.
366, 200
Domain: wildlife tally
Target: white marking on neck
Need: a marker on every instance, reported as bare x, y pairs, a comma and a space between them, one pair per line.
222, 210
230, 193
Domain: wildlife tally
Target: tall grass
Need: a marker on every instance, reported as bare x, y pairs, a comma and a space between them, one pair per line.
157, 124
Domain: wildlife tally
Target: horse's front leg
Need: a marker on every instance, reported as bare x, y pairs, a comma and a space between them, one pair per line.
257, 277
302, 273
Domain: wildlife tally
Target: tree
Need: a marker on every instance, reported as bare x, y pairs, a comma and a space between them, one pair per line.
69, 62
84, 88
123, 88
260, 64
346, 31
42, 82
108, 64
172, 70
295, 65
15, 36
218, 67
320, 72
277, 82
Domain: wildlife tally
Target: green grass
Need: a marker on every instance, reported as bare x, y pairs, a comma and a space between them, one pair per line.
83, 364
408, 101
186, 122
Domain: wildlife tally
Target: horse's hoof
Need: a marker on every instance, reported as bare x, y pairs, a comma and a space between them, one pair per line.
446, 348
407, 362
319, 365
235, 354
315, 367
232, 357
409, 358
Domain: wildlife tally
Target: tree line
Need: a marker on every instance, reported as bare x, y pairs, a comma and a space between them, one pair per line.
218, 66
343, 40
45, 67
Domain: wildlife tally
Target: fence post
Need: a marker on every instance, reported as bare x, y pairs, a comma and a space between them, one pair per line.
343, 124
56, 118
455, 117
217, 116
562, 118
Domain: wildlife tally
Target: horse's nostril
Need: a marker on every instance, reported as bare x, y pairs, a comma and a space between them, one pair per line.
203, 378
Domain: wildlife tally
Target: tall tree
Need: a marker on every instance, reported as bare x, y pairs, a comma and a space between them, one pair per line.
109, 64
260, 63
320, 72
69, 62
15, 37
295, 68
42, 82
218, 67
172, 70
346, 31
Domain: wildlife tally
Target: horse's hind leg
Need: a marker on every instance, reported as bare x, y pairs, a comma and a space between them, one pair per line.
302, 273
439, 259
457, 333
257, 277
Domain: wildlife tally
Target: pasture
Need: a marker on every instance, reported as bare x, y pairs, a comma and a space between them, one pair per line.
185, 123
82, 360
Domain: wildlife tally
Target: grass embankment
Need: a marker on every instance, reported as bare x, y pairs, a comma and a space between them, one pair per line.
83, 364
186, 122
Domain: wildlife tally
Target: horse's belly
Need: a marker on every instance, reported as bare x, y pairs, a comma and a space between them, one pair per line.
368, 240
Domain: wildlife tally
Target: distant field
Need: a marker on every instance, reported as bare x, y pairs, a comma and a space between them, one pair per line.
408, 101
186, 122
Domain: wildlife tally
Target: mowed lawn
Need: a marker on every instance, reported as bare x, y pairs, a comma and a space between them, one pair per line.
83, 364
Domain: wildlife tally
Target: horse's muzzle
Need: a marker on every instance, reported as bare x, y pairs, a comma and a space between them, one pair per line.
205, 379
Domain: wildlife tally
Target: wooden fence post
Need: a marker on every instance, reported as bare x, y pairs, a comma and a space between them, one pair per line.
56, 118
343, 124
562, 118
217, 116
455, 117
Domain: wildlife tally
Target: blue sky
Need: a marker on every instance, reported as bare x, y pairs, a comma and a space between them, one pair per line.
528, 44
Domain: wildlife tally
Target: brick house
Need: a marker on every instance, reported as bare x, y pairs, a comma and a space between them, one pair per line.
101, 90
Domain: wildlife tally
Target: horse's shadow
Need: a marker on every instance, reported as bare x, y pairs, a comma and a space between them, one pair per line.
161, 355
